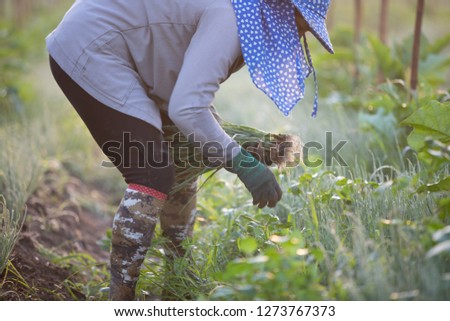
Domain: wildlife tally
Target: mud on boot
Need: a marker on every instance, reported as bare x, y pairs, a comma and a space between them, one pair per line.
132, 233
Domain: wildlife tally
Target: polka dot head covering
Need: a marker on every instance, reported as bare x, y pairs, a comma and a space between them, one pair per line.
315, 12
276, 59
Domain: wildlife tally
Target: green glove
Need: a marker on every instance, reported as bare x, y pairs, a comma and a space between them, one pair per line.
257, 178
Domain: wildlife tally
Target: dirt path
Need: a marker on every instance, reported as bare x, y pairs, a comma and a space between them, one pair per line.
60, 224
67, 220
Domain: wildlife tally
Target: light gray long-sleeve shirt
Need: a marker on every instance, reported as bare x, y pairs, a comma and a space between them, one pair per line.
141, 57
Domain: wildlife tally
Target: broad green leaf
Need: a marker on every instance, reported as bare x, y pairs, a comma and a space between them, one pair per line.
383, 122
442, 235
434, 68
441, 248
439, 45
430, 121
341, 181
222, 292
441, 186
248, 245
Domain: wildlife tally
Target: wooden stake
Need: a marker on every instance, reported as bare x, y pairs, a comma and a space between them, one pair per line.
383, 20
358, 21
357, 38
383, 33
416, 45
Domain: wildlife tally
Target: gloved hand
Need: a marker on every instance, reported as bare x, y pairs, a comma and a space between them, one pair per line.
257, 178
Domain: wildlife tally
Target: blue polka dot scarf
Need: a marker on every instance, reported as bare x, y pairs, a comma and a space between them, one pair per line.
277, 61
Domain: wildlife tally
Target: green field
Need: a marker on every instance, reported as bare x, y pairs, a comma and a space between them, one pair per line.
374, 226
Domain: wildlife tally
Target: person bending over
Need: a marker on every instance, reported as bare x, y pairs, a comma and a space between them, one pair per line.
128, 67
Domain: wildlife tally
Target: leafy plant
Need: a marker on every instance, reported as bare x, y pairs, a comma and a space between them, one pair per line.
429, 122
284, 271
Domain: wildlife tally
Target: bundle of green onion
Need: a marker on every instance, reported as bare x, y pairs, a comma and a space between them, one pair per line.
283, 150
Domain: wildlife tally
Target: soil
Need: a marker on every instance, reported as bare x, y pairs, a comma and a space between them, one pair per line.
65, 217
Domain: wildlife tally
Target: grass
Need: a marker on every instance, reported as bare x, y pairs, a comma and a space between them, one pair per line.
355, 232
10, 227
20, 170
33, 117
331, 237
17, 278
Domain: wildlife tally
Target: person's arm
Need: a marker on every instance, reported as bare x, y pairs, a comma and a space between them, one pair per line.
210, 55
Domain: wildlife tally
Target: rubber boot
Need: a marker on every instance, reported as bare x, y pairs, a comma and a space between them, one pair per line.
132, 233
178, 219
177, 223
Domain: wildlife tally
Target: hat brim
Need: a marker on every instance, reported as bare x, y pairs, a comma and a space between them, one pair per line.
317, 26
